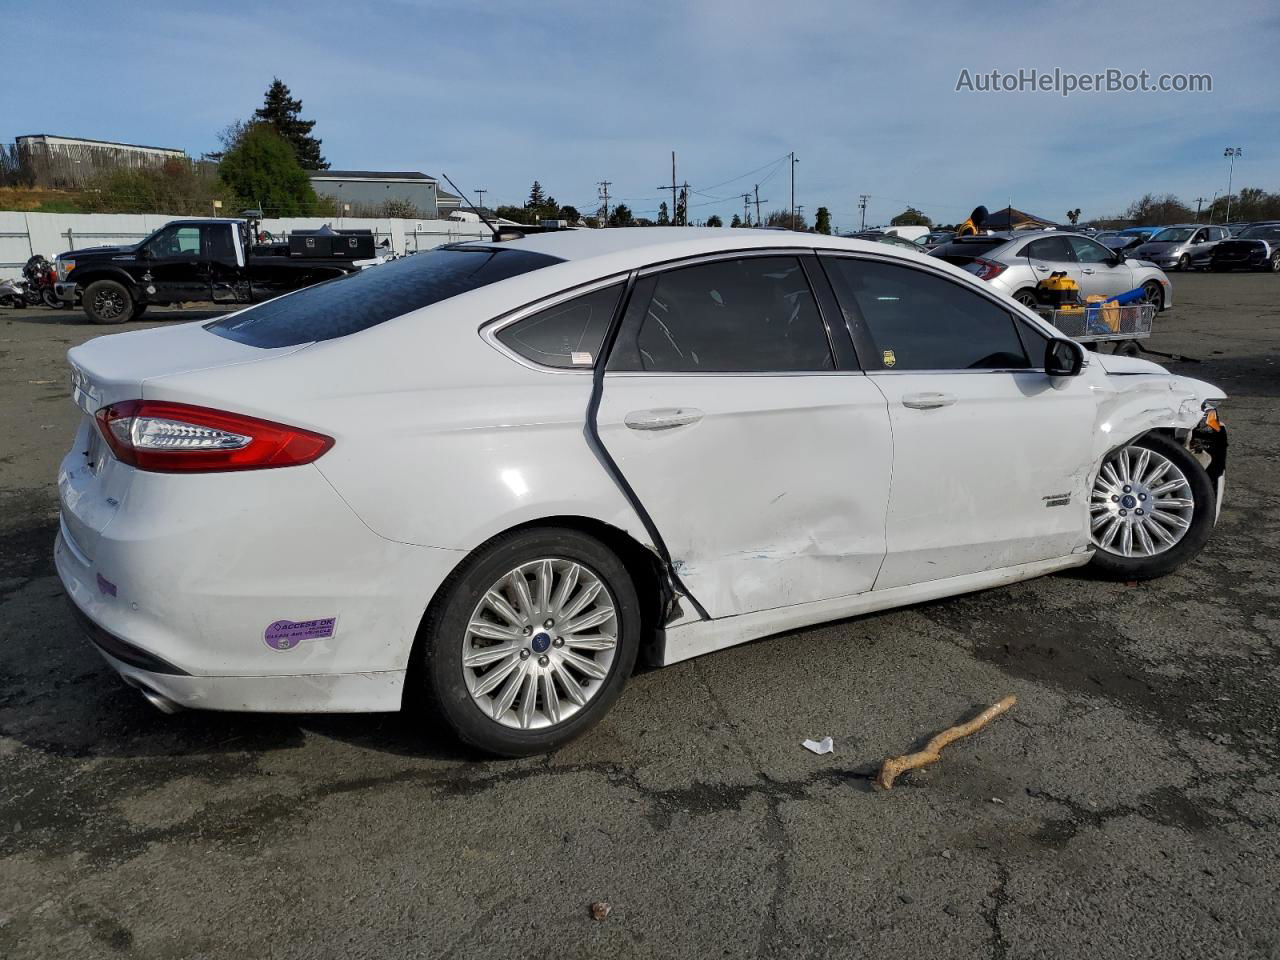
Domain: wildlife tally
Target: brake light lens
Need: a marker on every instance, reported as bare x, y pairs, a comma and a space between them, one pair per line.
985, 269
183, 438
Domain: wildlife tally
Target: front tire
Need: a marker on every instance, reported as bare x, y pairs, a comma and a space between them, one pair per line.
1153, 293
108, 302
1152, 509
530, 641
1184, 263
1274, 266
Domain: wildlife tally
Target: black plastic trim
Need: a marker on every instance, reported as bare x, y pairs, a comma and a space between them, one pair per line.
122, 650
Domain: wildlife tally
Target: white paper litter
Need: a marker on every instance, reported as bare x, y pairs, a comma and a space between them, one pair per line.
825, 745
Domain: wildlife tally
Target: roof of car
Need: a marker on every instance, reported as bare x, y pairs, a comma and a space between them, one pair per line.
588, 244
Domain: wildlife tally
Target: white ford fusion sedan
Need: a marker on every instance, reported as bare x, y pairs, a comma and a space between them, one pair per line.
490, 475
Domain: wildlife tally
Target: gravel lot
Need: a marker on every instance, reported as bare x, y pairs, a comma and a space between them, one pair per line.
1127, 806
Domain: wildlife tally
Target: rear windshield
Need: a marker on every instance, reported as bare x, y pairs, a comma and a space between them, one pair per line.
362, 300
965, 251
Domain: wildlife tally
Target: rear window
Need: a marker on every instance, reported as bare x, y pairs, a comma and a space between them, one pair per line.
965, 251
362, 300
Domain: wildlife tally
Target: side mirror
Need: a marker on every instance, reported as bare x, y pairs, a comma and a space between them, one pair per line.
1063, 358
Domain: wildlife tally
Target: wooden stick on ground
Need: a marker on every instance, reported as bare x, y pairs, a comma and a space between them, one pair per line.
896, 766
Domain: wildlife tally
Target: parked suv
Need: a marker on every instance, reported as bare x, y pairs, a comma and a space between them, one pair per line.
1014, 265
1256, 247
1181, 247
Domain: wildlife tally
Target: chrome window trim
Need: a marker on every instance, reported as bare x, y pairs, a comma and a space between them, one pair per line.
490, 328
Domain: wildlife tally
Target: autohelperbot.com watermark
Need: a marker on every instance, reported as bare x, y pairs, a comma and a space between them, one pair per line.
1065, 82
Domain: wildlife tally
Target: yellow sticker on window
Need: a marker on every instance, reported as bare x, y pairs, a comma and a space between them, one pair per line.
889, 358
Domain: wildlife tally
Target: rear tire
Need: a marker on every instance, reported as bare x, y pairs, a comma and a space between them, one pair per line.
107, 302
1154, 469
533, 698
51, 299
1027, 298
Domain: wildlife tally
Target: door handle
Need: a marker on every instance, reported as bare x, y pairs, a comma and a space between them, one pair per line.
1087, 270
928, 401
662, 418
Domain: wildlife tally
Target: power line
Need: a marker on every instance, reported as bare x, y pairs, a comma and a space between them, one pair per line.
604, 194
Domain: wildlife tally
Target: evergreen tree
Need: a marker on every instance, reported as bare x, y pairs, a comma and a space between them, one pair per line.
664, 217
736, 221
822, 220
715, 221
281, 111
536, 196
262, 170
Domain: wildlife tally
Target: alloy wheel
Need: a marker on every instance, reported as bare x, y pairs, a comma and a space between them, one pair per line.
108, 304
540, 643
1142, 504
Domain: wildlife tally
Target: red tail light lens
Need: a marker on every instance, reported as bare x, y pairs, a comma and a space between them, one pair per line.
182, 438
985, 269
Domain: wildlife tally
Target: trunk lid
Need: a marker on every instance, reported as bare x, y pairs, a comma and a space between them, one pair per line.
92, 484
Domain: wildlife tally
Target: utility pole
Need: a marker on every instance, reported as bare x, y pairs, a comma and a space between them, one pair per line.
862, 211
800, 214
746, 210
604, 195
480, 192
1199, 200
758, 202
674, 186
794, 161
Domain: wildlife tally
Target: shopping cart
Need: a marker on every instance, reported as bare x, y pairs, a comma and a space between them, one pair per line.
1096, 323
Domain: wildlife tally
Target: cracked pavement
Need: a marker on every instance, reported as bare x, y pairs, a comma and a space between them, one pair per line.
1126, 807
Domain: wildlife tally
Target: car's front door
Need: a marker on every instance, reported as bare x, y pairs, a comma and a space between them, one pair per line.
762, 461
990, 456
1100, 274
177, 264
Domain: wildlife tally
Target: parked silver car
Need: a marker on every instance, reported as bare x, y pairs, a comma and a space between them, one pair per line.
1015, 264
1181, 247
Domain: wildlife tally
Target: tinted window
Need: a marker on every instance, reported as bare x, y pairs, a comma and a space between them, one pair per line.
566, 335
918, 321
220, 244
1087, 251
1269, 231
754, 314
1048, 248
361, 300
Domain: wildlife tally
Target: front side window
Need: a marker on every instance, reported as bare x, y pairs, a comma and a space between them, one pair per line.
745, 315
567, 335
920, 321
175, 242
1087, 251
357, 301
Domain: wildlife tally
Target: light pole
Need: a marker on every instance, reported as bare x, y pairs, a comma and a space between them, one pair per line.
1231, 152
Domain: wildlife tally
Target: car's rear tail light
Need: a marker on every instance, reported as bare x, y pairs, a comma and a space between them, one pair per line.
985, 269
182, 438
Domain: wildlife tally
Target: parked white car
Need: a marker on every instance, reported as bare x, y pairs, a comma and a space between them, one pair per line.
491, 474
1015, 264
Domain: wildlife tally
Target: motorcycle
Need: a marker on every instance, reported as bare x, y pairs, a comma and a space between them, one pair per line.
14, 292
41, 276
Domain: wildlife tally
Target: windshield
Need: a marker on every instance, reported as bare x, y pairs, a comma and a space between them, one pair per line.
1174, 235
361, 300
1266, 231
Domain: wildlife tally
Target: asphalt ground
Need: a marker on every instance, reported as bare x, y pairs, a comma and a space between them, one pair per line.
1126, 807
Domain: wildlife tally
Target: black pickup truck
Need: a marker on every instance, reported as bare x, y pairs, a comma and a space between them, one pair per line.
189, 261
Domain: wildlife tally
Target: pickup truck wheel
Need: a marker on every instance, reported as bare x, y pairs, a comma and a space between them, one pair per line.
106, 301
1151, 510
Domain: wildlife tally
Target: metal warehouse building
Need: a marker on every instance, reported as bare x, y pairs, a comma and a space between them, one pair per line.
365, 191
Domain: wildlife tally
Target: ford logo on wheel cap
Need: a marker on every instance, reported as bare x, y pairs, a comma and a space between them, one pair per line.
541, 641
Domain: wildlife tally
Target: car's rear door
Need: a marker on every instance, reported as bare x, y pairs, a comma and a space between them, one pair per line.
991, 456
1049, 255
737, 415
1100, 274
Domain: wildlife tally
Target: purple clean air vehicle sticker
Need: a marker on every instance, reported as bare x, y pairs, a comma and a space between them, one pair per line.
287, 634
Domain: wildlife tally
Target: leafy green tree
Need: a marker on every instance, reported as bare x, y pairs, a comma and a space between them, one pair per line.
715, 221
569, 213
822, 220
514, 214
281, 111
1150, 210
782, 218
1074, 216
736, 221
911, 217
664, 217
263, 170
620, 216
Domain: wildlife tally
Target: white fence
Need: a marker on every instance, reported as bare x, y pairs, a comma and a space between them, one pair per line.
24, 234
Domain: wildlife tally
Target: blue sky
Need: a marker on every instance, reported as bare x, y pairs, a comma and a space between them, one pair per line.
570, 93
